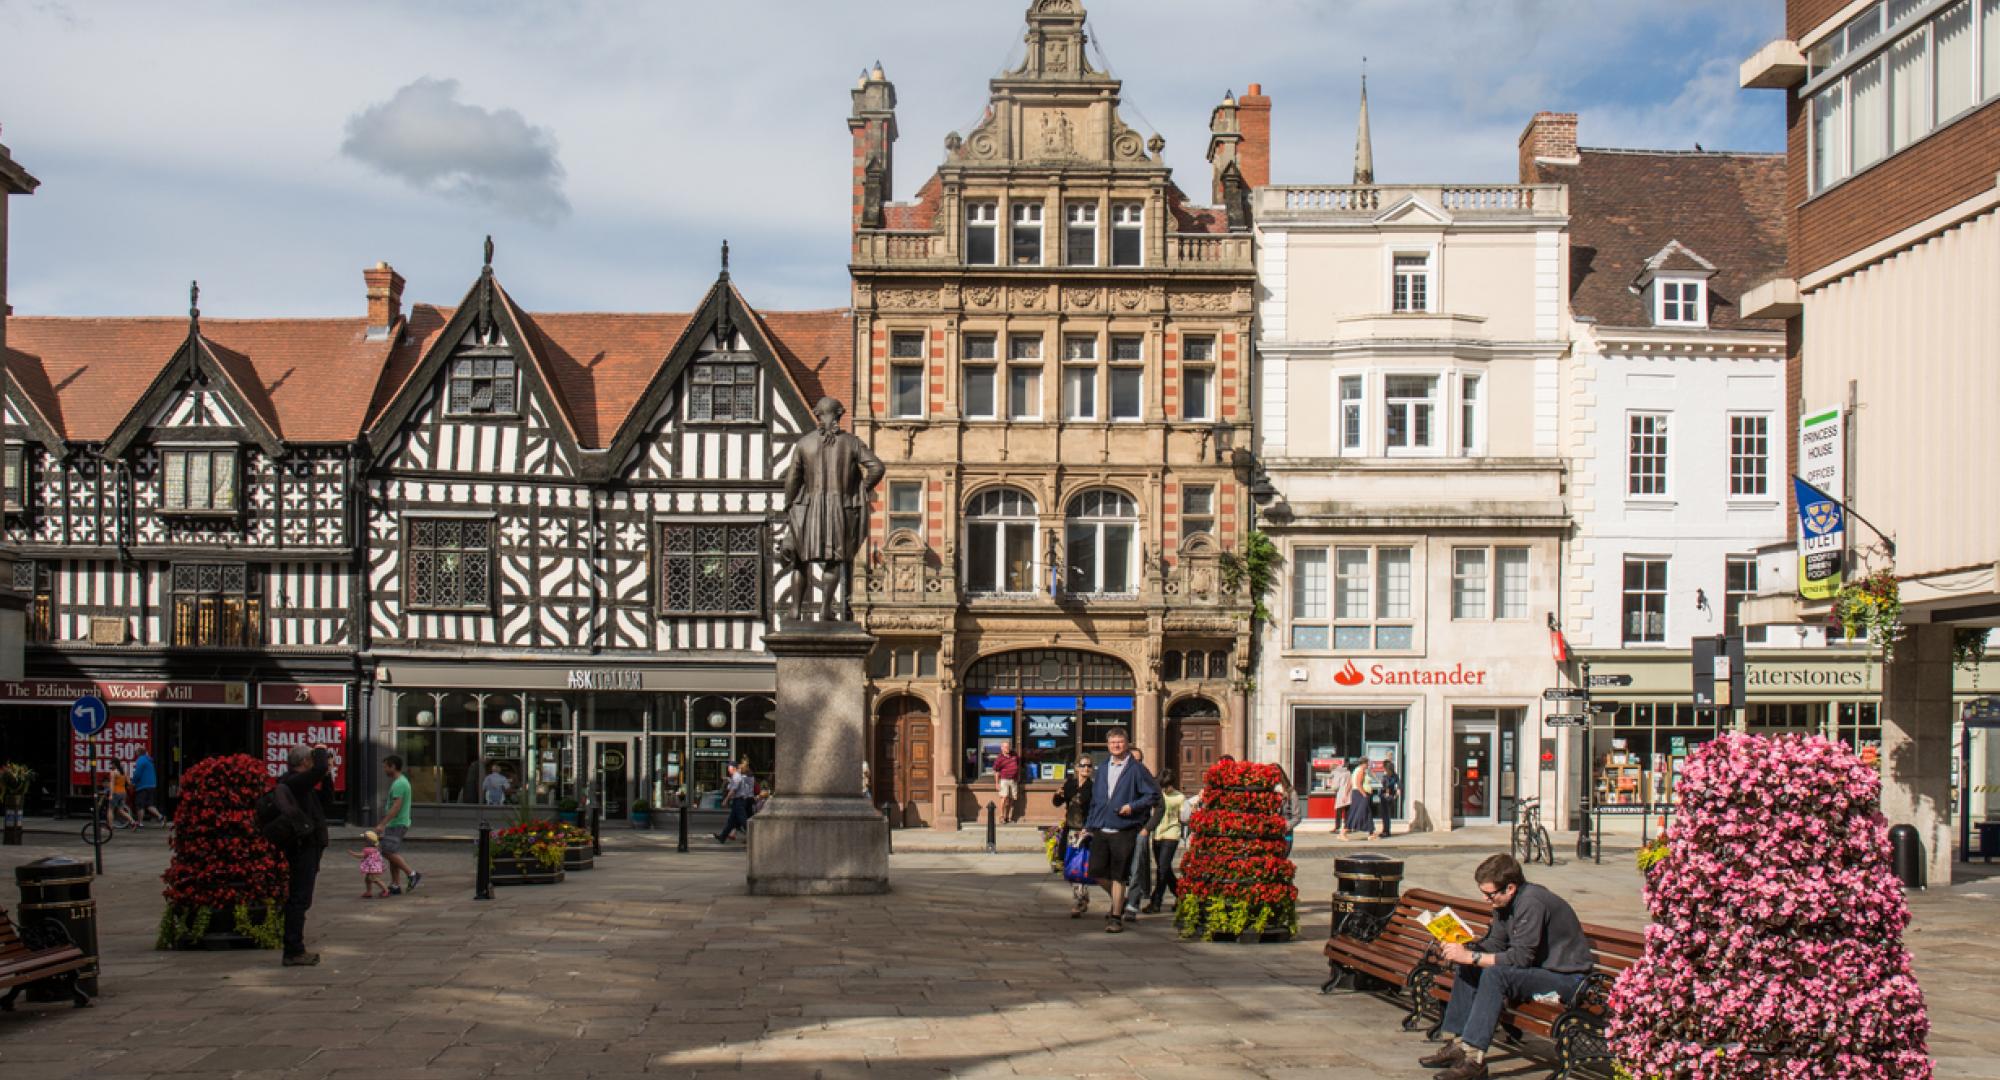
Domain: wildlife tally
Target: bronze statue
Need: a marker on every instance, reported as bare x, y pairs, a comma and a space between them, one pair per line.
826, 507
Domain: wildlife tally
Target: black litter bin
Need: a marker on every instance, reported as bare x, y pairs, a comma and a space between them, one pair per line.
1906, 856
57, 890
1365, 885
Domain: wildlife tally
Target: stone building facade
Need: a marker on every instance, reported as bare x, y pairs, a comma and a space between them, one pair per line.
1053, 350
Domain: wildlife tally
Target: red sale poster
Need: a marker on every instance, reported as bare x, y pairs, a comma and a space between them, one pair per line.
281, 735
116, 747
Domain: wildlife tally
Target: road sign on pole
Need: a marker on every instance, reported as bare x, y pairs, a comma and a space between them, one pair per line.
88, 715
1565, 693
1611, 680
1566, 719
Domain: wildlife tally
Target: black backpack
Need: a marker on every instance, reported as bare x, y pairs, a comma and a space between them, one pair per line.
279, 817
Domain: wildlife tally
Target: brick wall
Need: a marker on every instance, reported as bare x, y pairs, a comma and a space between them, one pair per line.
1801, 16
1548, 135
1952, 165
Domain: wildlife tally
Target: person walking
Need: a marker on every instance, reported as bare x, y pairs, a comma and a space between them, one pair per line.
1534, 946
1167, 834
1007, 778
1342, 783
395, 825
1074, 798
1140, 884
741, 793
308, 772
146, 789
1121, 801
494, 789
1392, 794
121, 794
1358, 821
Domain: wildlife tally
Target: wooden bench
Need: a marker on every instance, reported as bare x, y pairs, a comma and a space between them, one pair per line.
43, 951
1421, 981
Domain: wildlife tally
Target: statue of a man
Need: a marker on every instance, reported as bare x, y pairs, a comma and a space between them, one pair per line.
826, 501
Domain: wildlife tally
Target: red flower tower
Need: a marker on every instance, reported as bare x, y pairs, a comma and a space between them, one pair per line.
222, 866
1236, 882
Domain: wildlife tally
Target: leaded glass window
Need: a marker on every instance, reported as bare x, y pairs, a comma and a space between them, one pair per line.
712, 568
217, 605
449, 564
723, 391
483, 386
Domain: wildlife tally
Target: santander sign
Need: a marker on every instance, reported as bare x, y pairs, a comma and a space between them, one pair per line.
1378, 675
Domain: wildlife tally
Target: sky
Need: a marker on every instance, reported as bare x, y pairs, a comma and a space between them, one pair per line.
274, 150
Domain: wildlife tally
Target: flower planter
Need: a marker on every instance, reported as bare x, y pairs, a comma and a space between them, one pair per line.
642, 819
578, 856
219, 930
569, 817
521, 870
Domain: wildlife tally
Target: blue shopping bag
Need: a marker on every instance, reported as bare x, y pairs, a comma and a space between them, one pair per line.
1076, 865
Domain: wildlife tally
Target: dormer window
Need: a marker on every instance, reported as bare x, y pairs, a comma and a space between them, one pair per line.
15, 498
1680, 302
483, 386
199, 481
723, 390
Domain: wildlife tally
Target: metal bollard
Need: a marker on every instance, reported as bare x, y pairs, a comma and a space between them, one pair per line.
681, 845
482, 880
596, 831
889, 828
992, 830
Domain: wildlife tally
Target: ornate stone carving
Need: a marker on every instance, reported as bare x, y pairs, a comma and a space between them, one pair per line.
1199, 301
1056, 57
1129, 299
982, 296
1030, 299
905, 298
1058, 134
983, 145
1080, 299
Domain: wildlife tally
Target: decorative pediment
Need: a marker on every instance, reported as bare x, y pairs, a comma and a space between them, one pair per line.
1413, 211
198, 405
206, 388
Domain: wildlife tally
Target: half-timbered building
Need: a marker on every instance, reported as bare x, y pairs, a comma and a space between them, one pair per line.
179, 493
570, 552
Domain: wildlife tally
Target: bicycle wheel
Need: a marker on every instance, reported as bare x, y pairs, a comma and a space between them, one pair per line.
1544, 848
97, 832
1519, 845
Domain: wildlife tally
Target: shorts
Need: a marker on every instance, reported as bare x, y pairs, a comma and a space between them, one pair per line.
392, 839
144, 798
1010, 789
1111, 853
117, 800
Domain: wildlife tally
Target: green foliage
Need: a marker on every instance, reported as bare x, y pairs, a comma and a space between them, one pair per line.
15, 780
1206, 918
1258, 565
269, 933
1968, 646
1652, 854
180, 928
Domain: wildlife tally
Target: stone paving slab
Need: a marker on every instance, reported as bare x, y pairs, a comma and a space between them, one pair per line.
659, 964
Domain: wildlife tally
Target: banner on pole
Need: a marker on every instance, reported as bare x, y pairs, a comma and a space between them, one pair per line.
1822, 541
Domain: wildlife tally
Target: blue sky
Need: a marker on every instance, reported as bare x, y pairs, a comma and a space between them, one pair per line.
274, 150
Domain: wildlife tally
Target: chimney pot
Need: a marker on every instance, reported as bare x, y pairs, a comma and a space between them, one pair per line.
385, 299
1253, 155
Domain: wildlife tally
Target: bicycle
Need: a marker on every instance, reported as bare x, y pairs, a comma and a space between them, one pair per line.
1531, 841
103, 824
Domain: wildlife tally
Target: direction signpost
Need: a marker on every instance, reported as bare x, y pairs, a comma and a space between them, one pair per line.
87, 716
1566, 693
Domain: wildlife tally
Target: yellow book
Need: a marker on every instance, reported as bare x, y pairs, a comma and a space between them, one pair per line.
1446, 926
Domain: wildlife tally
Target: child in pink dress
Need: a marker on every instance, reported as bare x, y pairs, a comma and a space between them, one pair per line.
372, 866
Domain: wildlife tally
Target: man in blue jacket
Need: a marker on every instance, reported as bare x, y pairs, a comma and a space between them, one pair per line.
146, 789
1121, 800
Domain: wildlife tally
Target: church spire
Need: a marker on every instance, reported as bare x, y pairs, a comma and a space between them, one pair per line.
1364, 150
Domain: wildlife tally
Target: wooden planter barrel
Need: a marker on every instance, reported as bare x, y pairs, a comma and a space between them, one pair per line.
522, 870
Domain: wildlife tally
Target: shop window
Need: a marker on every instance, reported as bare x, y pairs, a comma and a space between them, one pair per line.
14, 478
1409, 413
1749, 455
723, 390
482, 386
1740, 585
1324, 739
217, 605
1128, 234
448, 564
982, 222
199, 481
1645, 601
1197, 510
1637, 761
35, 580
1102, 539
1027, 234
1646, 454
712, 568
1080, 234
906, 506
1000, 542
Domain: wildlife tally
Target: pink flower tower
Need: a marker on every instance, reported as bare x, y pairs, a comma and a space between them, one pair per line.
1776, 948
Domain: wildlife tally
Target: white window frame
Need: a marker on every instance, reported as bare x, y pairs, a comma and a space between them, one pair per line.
1003, 523
1527, 558
1733, 597
1664, 433
1665, 592
904, 366
1301, 592
903, 485
1429, 274
1080, 218
988, 221
1472, 393
1438, 401
1762, 461
1098, 526
1080, 359
1116, 370
1669, 312
1190, 513
1128, 217
1367, 592
1359, 405
1019, 214
1469, 588
987, 367
1013, 408
224, 500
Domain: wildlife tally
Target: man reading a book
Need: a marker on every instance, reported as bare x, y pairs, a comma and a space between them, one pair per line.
1534, 947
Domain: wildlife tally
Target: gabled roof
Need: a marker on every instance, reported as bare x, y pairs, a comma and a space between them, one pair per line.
1676, 256
231, 374
309, 380
1628, 206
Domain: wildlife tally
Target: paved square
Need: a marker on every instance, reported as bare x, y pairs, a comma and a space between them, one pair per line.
658, 963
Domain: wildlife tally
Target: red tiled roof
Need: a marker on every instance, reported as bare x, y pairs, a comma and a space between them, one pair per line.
919, 215
818, 347
1195, 219
309, 379
1627, 205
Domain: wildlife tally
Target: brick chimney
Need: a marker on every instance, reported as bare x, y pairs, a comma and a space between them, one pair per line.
1225, 139
385, 300
1253, 119
14, 180
873, 125
1550, 137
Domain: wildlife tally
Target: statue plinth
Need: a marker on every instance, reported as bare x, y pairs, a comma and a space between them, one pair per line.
819, 835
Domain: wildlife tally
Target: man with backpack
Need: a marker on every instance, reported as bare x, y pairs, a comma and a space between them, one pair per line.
292, 817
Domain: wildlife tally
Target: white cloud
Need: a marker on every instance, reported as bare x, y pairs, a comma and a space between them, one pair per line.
427, 137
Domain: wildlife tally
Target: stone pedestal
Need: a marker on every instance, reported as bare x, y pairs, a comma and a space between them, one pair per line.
1917, 717
820, 835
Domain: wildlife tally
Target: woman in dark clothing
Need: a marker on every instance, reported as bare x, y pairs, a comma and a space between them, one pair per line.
1074, 798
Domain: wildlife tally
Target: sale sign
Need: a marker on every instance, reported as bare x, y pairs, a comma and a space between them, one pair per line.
281, 735
116, 747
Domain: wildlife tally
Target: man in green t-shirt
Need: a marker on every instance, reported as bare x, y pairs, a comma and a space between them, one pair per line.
395, 825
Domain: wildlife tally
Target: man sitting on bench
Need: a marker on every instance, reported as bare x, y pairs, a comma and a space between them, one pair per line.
1534, 947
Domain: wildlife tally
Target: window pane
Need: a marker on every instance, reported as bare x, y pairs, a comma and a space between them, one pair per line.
1394, 637
1392, 575
1954, 61
223, 484
1024, 348
175, 476
1909, 92
982, 557
979, 391
979, 347
1019, 543
198, 478
1351, 584
1468, 583
1468, 415
1870, 119
905, 346
979, 228
906, 496
1201, 500
1989, 47
1197, 348
1082, 558
1350, 412
1646, 459
1510, 566
1117, 558
1195, 384
908, 391
1024, 392
1351, 638
1309, 637
1829, 133
1126, 347
1027, 250
1309, 583
1125, 393
1080, 393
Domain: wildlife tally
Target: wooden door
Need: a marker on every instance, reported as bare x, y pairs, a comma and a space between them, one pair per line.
903, 762
1200, 747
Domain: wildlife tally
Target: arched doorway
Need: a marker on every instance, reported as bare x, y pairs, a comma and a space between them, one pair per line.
901, 773
1194, 738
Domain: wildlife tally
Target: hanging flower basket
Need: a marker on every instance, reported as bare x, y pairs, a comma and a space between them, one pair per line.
1874, 606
